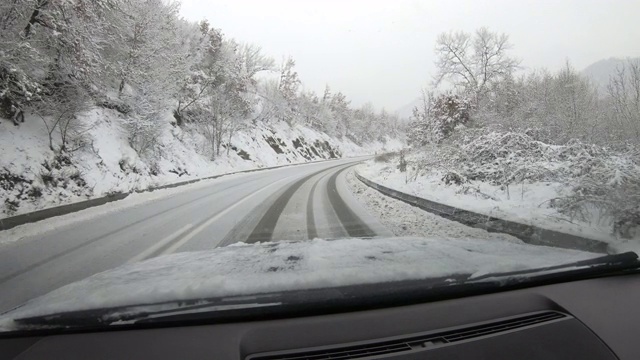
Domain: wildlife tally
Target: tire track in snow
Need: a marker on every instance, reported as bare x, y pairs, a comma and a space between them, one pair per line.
263, 231
312, 232
351, 222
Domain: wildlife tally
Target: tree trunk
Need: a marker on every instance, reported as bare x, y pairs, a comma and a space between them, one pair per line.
218, 143
229, 142
121, 87
34, 16
178, 116
213, 144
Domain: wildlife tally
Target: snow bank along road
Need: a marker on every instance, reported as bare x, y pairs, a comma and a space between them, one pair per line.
293, 203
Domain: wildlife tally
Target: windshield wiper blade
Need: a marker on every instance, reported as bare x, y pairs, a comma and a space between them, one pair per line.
94, 318
212, 308
600, 266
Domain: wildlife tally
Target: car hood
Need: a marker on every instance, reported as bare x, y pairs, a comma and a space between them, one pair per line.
249, 269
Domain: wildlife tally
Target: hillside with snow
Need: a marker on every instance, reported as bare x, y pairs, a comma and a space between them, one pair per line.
33, 177
600, 72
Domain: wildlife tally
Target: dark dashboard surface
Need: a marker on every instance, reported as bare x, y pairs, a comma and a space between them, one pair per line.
604, 308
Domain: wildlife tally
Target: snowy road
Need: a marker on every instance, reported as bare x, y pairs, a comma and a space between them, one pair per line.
292, 203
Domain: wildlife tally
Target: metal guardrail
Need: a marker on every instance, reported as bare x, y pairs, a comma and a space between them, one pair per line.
11, 222
527, 233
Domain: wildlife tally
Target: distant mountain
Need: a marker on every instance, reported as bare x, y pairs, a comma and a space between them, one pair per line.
600, 71
405, 111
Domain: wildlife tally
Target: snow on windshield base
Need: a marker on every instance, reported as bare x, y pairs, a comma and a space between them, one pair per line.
243, 269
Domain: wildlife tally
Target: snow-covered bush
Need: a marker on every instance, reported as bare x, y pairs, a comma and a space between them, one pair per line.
402, 162
385, 157
609, 184
16, 91
602, 181
143, 134
453, 178
449, 112
439, 119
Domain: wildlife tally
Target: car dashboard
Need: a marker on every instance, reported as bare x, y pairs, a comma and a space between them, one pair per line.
587, 319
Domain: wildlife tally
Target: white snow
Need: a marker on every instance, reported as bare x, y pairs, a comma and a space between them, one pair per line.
243, 269
525, 203
405, 220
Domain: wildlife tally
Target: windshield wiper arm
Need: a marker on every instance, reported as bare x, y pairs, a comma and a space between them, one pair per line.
215, 309
139, 313
600, 266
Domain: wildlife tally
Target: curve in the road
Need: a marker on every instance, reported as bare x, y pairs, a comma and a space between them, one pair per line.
349, 220
263, 231
352, 223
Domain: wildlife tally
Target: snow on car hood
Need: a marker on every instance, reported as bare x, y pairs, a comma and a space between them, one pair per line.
245, 269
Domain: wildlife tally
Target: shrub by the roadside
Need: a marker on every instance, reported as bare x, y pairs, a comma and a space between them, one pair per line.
386, 157
604, 183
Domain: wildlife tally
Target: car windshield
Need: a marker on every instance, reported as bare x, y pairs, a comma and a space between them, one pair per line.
163, 158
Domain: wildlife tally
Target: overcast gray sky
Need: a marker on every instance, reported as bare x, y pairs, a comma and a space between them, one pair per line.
382, 51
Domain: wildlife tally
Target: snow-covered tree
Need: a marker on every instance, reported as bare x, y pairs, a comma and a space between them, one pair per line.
19, 59
146, 37
473, 62
227, 108
146, 62
624, 97
310, 108
364, 125
288, 87
59, 112
341, 113
574, 104
438, 118
228, 103
556, 107
270, 102
254, 62
53, 44
201, 66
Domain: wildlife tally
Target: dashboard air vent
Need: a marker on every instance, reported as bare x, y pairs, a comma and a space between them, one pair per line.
412, 342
